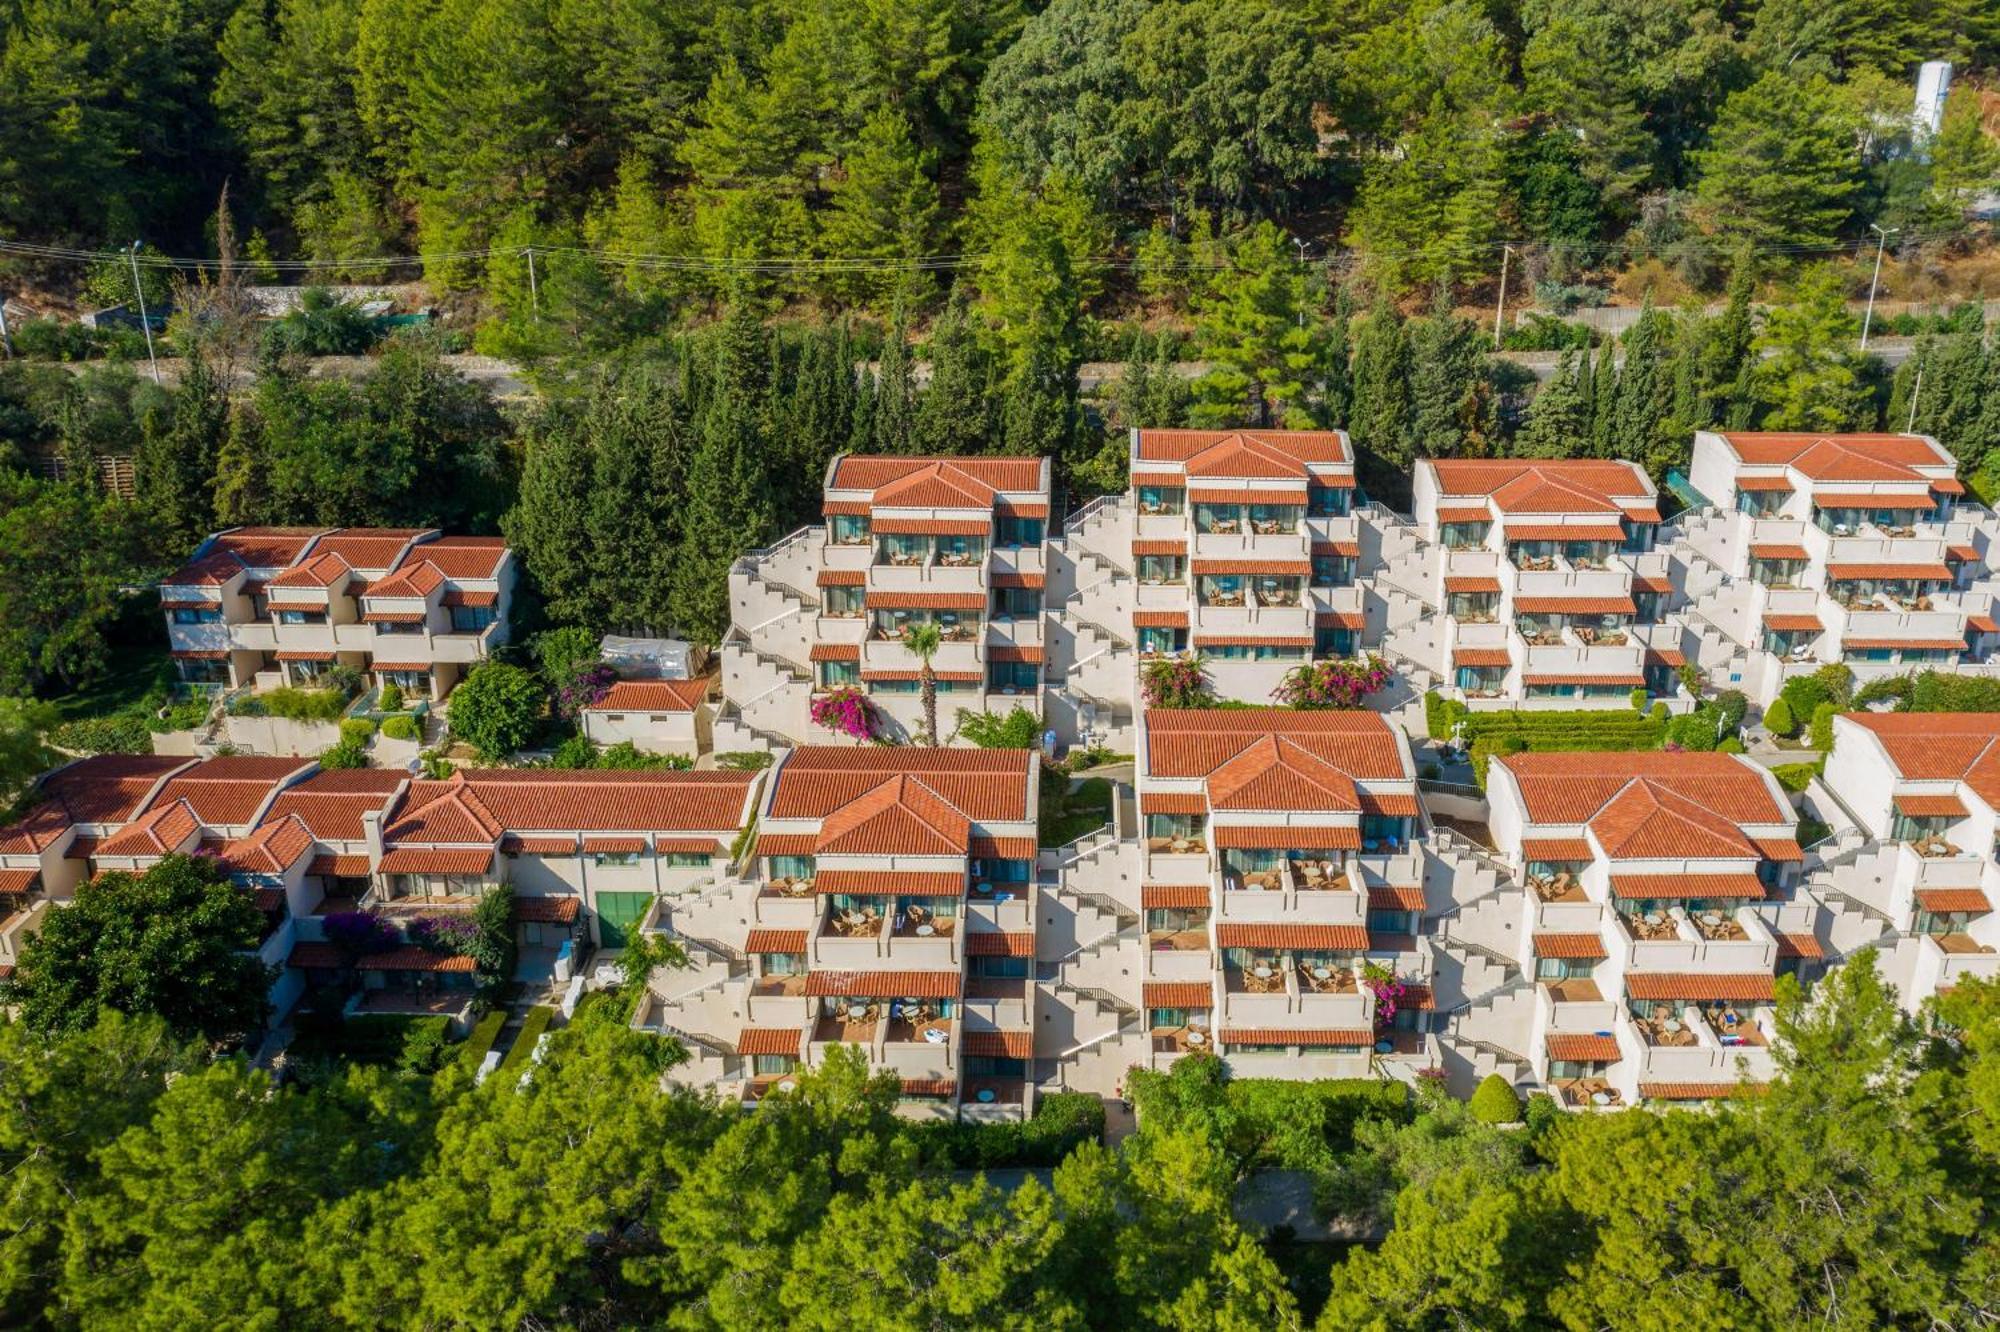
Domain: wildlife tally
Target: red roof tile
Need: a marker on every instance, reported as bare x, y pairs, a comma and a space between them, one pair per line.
866, 882
986, 943
1000, 1044
613, 846
1650, 820
653, 696
1288, 568
1778, 551
1464, 513
1159, 548
931, 526
775, 941
1002, 652
834, 652
1471, 583
1576, 947
538, 846
1632, 678
1287, 839
1004, 578
339, 866
1001, 848
768, 1041
1575, 605
1159, 619
463, 597
929, 1087
1858, 456
785, 844
435, 860
1388, 897
547, 909
1953, 899
1701, 987
925, 601
689, 846
328, 957
1481, 657
884, 984
1570, 788
273, 848
1306, 446
987, 785
1556, 848
863, 471
1198, 742
1583, 1048
1322, 938
1783, 623
227, 791
1182, 895
1172, 802
1177, 994
1764, 483
1308, 1037
1217, 495
1920, 806
161, 830
1253, 640
320, 572
1547, 532
1799, 945
1653, 887
462, 557
1689, 1091
1916, 572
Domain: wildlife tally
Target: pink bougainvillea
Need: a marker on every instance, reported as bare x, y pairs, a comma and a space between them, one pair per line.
1176, 682
1333, 684
845, 711
1388, 991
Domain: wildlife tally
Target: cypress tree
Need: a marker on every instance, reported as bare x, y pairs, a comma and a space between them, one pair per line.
1381, 417
1604, 401
547, 523
861, 427
1168, 395
895, 389
1726, 346
1641, 400
242, 489
1337, 390
1444, 382
820, 414
636, 473
1559, 414
1040, 407
954, 414
173, 469
728, 495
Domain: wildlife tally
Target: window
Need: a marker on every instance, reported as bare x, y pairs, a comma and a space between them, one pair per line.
1167, 1017
1562, 968
302, 617
791, 867
960, 551
774, 1066
1639, 537
1258, 652
1016, 603
1010, 531
1646, 607
1176, 920
1226, 519
1157, 569
606, 858
1473, 607
1572, 1068
898, 549
1761, 503
1000, 968
849, 529
838, 674
1331, 642
410, 682
994, 870
1392, 922
898, 686
1776, 573
1162, 642
1464, 536
1388, 828
1162, 499
1329, 501
1278, 590
399, 626
1220, 589
1176, 827
684, 860
472, 619
1481, 679
203, 670
784, 964
1270, 519
1333, 570
841, 601
1004, 677
205, 615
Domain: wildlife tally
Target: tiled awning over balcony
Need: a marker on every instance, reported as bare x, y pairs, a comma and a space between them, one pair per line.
1006, 580
884, 984
865, 883
1941, 805
1952, 899
931, 527
1702, 987
1837, 500
1575, 605
1000, 1044
1173, 895
1800, 945
1465, 514
1404, 897
327, 957
992, 943
1673, 657
688, 846
787, 844
1481, 657
1205, 495
539, 846
1583, 1047
1252, 640
305, 656
1649, 887
1000, 848
1777, 552
1159, 548
1773, 484
1159, 619
929, 1087
1339, 619
1342, 838
613, 846
339, 867
1588, 678
1340, 1038
775, 941
1571, 947
1907, 644
1947, 485
1778, 848
437, 860
1005, 653
1388, 804
1348, 548
835, 652
1255, 568
1177, 994
1792, 623
1319, 938
1472, 583
548, 909
841, 578
768, 1041
1555, 848
1543, 532
1928, 573
1172, 802
1688, 1091
893, 600
906, 677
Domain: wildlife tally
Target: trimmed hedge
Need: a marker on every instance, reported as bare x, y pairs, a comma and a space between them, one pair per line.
402, 726
1511, 732
484, 1033
1063, 1121
1441, 713
1795, 777
1495, 1102
532, 1027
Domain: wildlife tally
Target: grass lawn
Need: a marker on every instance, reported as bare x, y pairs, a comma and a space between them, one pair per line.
1074, 813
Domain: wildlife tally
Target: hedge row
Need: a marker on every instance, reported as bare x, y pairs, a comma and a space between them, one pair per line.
1063, 1121
532, 1027
484, 1033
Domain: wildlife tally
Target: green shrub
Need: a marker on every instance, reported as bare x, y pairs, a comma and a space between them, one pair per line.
1730, 746
743, 760
1821, 737
1639, 697
1063, 1121
1659, 713
1441, 714
574, 753
1267, 1121
1795, 777
1494, 1102
359, 730
1731, 707
426, 1045
402, 726
1778, 719
390, 699
1508, 732
532, 1027
303, 705
346, 754
1811, 831
484, 1033
120, 733
187, 715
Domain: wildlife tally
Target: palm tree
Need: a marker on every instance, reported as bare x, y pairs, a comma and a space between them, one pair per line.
924, 640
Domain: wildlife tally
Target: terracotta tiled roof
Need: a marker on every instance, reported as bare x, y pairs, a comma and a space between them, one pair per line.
393, 617
1583, 1048
987, 943
863, 471
1778, 848
1481, 657
327, 957
199, 654
1665, 657
1653, 887
987, 785
925, 601
1575, 947
539, 846
1945, 805
320, 572
1652, 583
653, 696
1313, 1037
1641, 513
1570, 788
1764, 483
1002, 652
1198, 742
940, 483
477, 805
1952, 899
613, 846
1949, 485
1001, 848
436, 860
108, 788
1775, 551
1472, 583
929, 1087
854, 508
1013, 508
1390, 804
1004, 578
866, 882
459, 557
1908, 644
901, 815
835, 652
1934, 746
1649, 820
931, 526
1701, 987
1556, 848
1575, 605
1925, 572
1283, 838
273, 848
1000, 1044
339, 866
1348, 548
1799, 945
1172, 802
1286, 568
1159, 547
1214, 495
1577, 532
1465, 513
1242, 456
1159, 619
1308, 446
775, 941
16, 882
768, 1041
884, 984
1252, 640
1632, 678
1177, 994
1388, 897
1690, 1091
414, 581
161, 830
548, 908
1922, 501
785, 844
689, 846
1859, 456
1982, 624
1181, 895
227, 791
1567, 485
1320, 938
1783, 623
468, 597
841, 578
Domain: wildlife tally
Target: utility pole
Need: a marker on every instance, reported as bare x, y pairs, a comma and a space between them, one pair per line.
1880, 245
534, 291
1302, 247
145, 322
1916, 392
1500, 309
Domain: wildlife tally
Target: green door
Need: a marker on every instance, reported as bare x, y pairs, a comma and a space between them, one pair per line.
618, 913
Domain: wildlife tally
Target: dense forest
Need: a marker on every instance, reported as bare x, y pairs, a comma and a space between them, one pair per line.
147, 1183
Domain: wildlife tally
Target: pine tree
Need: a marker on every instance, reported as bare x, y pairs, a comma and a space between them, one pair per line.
1445, 379
885, 207
547, 523
728, 495
1258, 335
1040, 409
1559, 414
1953, 367
1381, 415
955, 413
1811, 378
174, 466
1782, 163
895, 388
242, 489
820, 413
1725, 346
1641, 401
